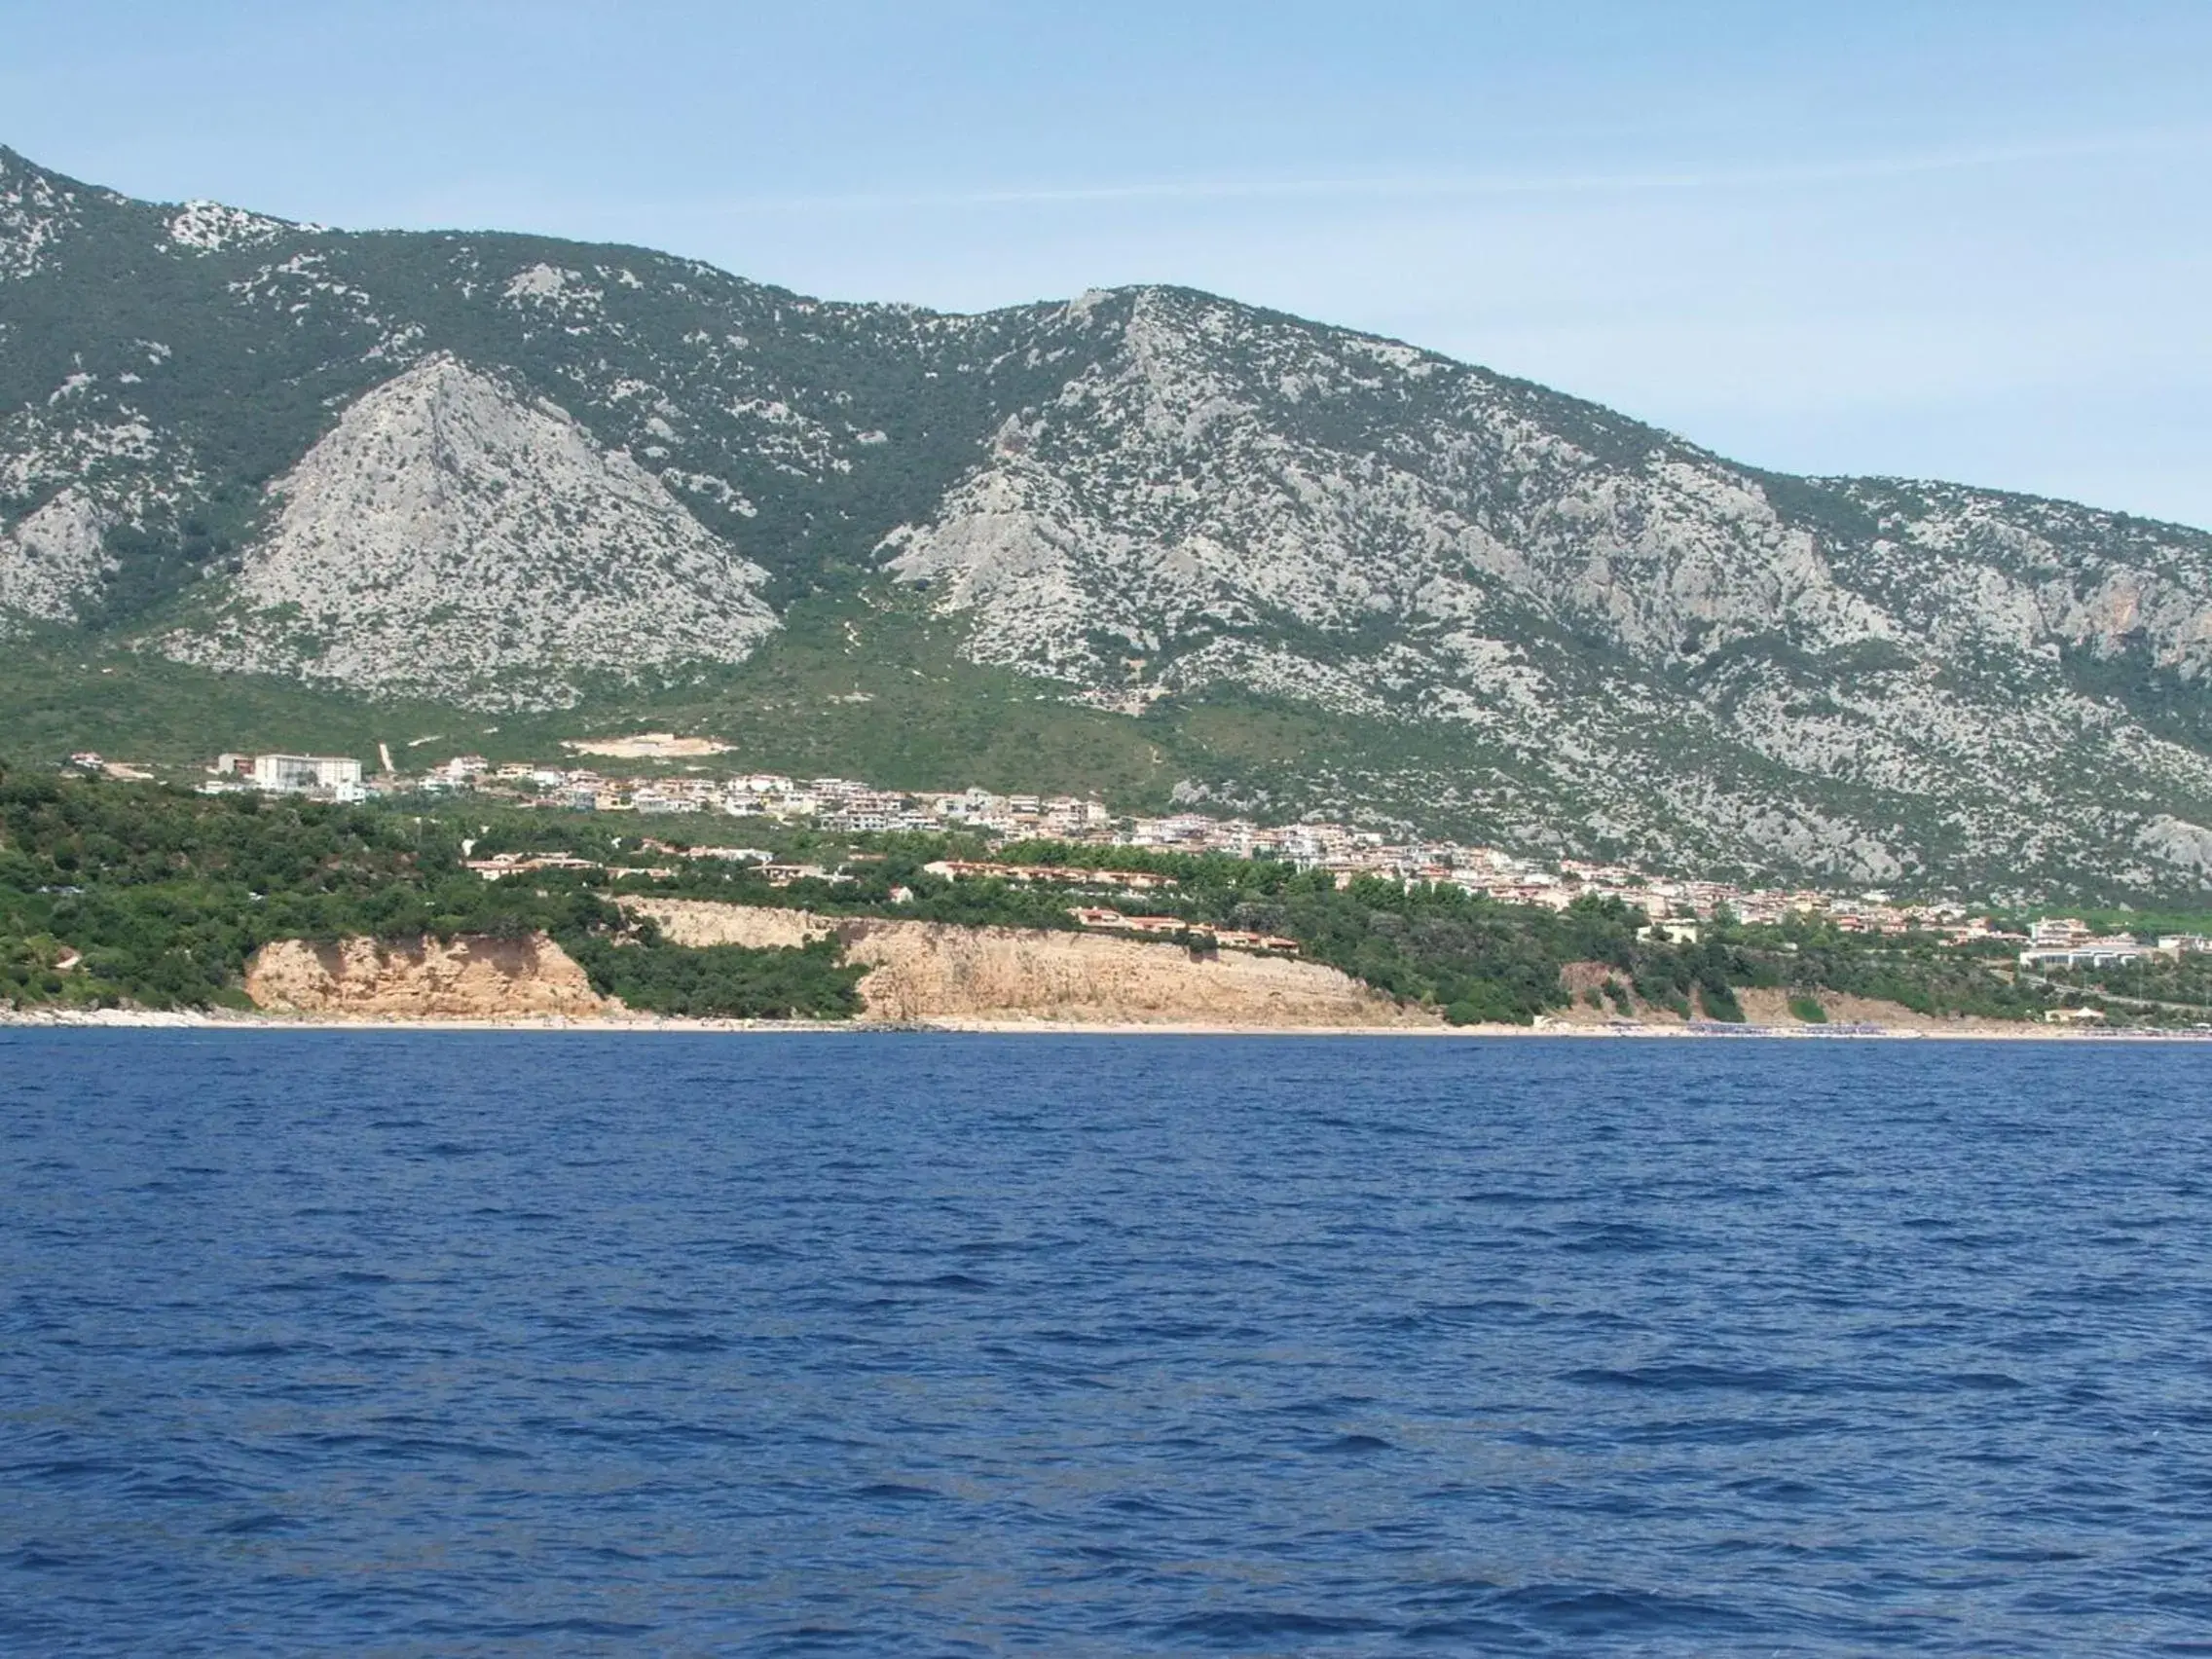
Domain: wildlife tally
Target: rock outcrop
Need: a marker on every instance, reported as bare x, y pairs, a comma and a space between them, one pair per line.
467, 979
452, 536
931, 971
1704, 664
53, 558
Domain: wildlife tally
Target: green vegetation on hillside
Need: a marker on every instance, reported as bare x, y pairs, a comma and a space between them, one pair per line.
2143, 990
117, 893
724, 981
862, 681
129, 893
1474, 960
62, 694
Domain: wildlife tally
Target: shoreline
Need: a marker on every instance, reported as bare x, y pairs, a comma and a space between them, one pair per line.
145, 1020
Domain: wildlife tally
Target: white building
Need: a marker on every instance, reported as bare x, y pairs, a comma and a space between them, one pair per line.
2088, 953
296, 774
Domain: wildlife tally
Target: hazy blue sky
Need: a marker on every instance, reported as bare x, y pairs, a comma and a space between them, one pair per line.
1936, 236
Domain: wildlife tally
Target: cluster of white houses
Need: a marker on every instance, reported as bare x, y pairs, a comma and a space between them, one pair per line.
2065, 942
848, 805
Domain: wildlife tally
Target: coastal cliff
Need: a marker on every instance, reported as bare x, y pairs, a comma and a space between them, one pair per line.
917, 971
468, 978
927, 971
934, 971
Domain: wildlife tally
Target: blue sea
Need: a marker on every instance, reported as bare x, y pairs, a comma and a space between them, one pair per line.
453, 1344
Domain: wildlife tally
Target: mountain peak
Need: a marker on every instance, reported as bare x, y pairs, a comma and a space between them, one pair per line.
452, 536
37, 210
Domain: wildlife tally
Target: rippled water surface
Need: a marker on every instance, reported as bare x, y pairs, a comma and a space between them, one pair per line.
451, 1344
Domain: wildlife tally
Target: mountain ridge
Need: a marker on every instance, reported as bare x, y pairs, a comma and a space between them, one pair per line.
1154, 505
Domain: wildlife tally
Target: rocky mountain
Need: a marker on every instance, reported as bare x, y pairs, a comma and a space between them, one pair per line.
503, 472
447, 537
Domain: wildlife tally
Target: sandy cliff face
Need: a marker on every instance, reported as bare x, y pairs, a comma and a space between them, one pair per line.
926, 972
931, 971
696, 924
469, 979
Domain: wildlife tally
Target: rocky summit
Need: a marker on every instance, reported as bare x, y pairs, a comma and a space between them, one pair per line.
499, 472
449, 536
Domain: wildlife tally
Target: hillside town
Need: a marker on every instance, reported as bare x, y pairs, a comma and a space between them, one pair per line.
1679, 906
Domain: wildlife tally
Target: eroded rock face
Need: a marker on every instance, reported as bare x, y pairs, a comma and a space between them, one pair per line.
697, 923
54, 559
451, 539
1222, 471
925, 971
933, 971
2178, 842
467, 979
